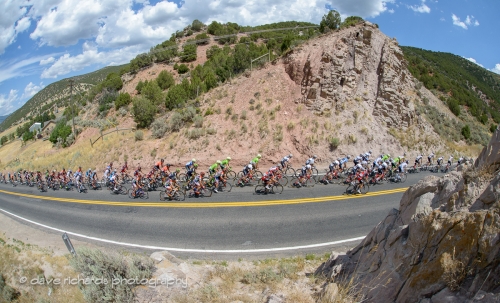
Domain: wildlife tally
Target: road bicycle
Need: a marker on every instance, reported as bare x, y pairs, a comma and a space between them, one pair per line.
80, 187
175, 194
137, 193
275, 188
398, 178
356, 187
203, 192
307, 181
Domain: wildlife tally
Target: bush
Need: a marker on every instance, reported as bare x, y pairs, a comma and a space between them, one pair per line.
454, 106
165, 80
334, 143
175, 123
60, 131
139, 135
144, 112
197, 25
466, 132
152, 92
182, 69
176, 97
198, 121
123, 99
159, 127
139, 86
94, 264
493, 128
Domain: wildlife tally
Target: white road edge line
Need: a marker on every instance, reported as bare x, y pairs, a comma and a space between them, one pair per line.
221, 251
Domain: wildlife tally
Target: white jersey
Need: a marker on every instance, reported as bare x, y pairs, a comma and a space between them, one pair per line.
403, 165
419, 157
310, 161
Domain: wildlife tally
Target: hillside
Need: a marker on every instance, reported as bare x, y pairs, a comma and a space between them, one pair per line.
55, 94
2, 118
457, 81
319, 95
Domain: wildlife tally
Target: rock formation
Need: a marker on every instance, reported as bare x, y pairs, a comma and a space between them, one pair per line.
442, 245
359, 63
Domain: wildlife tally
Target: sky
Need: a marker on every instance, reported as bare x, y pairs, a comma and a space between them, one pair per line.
43, 41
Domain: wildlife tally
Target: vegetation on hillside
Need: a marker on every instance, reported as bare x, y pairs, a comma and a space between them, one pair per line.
462, 84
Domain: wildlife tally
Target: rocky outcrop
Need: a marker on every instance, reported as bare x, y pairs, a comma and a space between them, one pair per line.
442, 245
358, 63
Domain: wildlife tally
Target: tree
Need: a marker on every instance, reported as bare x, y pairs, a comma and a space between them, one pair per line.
152, 92
139, 86
123, 99
60, 131
197, 25
351, 21
144, 112
330, 21
165, 80
182, 69
466, 131
188, 53
113, 82
176, 96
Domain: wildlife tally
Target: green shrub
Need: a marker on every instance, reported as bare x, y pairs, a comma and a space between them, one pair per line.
198, 121
466, 131
123, 99
165, 80
454, 106
144, 112
183, 68
175, 123
493, 128
152, 92
159, 127
60, 131
334, 143
139, 135
94, 264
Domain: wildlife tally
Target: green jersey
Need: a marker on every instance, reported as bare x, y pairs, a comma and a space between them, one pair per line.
385, 157
213, 167
255, 160
225, 163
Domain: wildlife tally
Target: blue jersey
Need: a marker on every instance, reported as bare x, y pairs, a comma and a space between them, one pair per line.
343, 160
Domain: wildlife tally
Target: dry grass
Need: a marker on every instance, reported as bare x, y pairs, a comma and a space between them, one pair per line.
18, 259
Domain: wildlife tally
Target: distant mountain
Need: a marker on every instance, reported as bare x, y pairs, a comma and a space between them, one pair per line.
55, 92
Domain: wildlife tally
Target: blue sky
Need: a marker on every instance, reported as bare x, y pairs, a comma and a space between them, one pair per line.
43, 41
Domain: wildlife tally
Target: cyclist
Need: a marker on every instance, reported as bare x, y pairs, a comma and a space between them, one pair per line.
78, 176
343, 162
267, 178
174, 174
450, 161
385, 157
225, 163
439, 160
170, 186
255, 161
310, 161
113, 180
88, 174
401, 169
417, 160
358, 159
429, 158
376, 162
138, 171
303, 174
197, 183
213, 168
246, 171
190, 165
460, 160
158, 165
136, 183
285, 160
366, 156
218, 178
124, 168
191, 171
360, 173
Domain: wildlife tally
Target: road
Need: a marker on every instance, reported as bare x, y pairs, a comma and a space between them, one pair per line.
225, 224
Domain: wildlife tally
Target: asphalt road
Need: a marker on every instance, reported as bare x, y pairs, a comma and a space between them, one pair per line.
205, 227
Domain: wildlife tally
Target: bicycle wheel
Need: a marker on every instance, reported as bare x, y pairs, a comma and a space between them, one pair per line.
257, 175
339, 180
309, 182
315, 175
403, 178
227, 187
277, 188
122, 190
179, 196
350, 189
295, 182
83, 189
239, 175
231, 175
162, 195
144, 195
131, 193
283, 181
260, 189
364, 188
206, 192
290, 172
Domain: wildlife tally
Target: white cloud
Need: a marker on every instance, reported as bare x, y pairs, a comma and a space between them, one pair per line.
474, 61
391, 11
90, 55
362, 8
31, 89
21, 67
12, 12
496, 69
457, 22
469, 20
47, 61
7, 102
423, 8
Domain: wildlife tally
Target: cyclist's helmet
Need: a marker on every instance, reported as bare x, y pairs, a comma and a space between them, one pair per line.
202, 173
194, 160
139, 168
219, 162
389, 155
162, 160
407, 161
290, 155
361, 155
228, 158
348, 157
315, 156
370, 152
177, 170
259, 156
